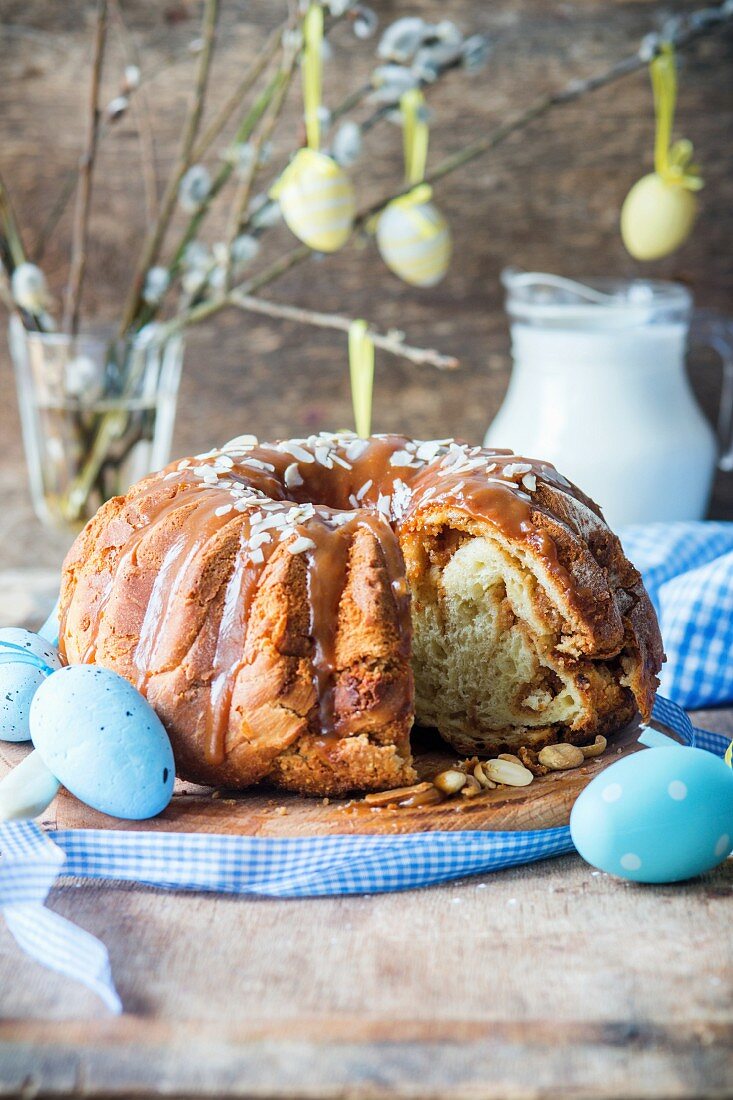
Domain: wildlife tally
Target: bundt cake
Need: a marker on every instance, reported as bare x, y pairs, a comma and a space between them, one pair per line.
290, 608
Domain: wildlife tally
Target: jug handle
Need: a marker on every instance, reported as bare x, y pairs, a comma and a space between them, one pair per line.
710, 330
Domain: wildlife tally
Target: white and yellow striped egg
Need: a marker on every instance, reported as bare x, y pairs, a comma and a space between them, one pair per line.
317, 200
415, 242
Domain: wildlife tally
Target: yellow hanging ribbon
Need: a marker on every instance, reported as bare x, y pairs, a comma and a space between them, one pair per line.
414, 135
361, 370
312, 68
672, 161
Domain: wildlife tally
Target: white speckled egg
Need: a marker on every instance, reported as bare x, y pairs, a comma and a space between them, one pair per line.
19, 680
415, 242
104, 741
659, 815
656, 217
317, 200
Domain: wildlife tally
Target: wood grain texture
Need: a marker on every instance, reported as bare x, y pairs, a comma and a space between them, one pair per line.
261, 811
546, 981
548, 200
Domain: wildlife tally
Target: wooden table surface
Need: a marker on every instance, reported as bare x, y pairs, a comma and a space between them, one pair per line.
551, 980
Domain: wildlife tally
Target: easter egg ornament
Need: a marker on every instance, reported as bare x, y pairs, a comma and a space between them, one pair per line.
661, 815
316, 196
660, 209
412, 235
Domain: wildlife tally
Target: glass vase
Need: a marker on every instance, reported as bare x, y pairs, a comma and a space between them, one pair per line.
97, 415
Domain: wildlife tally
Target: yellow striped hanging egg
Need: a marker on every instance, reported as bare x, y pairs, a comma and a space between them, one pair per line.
317, 200
414, 240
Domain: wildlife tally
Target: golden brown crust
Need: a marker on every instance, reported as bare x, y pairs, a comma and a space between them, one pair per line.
155, 585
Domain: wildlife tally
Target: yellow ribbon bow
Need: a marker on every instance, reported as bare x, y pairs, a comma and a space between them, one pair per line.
361, 370
672, 161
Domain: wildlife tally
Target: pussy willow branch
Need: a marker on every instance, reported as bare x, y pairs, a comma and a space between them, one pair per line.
69, 184
390, 341
220, 119
156, 236
12, 251
86, 176
246, 127
140, 107
244, 188
685, 36
209, 135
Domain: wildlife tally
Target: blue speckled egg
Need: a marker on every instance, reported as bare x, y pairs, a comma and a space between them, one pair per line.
20, 681
104, 741
659, 815
11, 636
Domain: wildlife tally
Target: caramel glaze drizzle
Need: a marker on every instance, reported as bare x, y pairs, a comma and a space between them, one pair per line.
313, 495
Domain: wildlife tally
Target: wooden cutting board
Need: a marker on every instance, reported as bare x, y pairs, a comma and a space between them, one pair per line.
545, 803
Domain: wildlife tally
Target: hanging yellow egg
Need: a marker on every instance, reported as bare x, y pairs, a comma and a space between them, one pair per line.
317, 200
656, 217
414, 240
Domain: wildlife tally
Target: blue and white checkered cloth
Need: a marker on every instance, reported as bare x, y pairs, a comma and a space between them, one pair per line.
689, 572
288, 868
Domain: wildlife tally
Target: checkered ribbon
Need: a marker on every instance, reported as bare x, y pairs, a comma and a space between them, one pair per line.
31, 860
688, 572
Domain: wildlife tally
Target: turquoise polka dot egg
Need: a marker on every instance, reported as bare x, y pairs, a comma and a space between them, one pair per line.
660, 815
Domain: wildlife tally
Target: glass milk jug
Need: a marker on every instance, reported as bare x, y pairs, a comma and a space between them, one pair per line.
599, 388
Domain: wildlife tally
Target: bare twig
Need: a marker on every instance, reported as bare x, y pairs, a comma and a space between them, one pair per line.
86, 176
390, 341
156, 236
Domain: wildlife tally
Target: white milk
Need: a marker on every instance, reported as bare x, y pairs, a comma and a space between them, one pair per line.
599, 388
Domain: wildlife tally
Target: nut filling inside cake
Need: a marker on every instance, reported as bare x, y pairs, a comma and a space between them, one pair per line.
290, 608
490, 671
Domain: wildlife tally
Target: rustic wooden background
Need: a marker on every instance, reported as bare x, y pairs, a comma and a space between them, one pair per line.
548, 199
